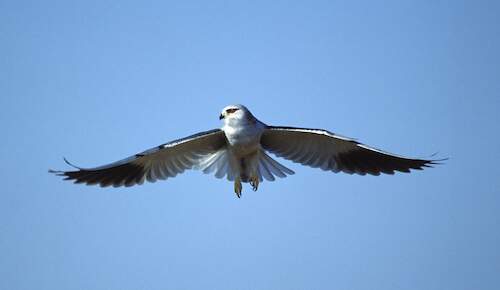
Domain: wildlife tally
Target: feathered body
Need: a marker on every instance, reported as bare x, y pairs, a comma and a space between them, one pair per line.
248, 162
243, 132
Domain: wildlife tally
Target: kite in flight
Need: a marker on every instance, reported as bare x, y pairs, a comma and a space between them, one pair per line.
238, 151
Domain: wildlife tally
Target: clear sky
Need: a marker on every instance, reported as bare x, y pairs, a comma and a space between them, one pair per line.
97, 81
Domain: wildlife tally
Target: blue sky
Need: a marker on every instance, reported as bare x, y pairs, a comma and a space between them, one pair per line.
96, 81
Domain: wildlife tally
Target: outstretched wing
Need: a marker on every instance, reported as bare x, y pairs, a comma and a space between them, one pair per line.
323, 149
161, 162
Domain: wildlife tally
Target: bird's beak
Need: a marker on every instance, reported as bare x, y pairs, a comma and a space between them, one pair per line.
221, 116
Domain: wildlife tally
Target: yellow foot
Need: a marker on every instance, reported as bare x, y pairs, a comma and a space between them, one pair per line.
254, 182
237, 187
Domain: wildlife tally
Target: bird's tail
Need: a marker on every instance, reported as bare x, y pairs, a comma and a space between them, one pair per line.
219, 163
269, 168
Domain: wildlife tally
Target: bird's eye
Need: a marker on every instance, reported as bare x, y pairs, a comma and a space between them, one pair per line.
232, 110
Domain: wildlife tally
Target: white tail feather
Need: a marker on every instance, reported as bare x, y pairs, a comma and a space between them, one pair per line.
219, 163
269, 168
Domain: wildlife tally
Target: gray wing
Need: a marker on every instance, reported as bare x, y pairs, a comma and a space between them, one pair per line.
161, 162
322, 149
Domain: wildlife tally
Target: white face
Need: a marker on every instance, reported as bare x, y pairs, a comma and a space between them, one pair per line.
233, 112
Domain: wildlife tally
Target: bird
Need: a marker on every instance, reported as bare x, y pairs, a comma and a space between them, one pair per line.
239, 151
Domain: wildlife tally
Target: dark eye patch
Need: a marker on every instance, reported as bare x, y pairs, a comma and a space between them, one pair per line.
232, 110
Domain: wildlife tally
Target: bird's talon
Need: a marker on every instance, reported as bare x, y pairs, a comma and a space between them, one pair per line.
254, 182
237, 187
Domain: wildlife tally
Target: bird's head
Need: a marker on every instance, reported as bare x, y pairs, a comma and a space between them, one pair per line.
235, 113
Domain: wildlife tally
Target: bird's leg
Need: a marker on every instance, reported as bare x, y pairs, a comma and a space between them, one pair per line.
254, 182
237, 186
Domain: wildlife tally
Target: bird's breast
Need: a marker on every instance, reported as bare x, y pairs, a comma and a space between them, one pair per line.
243, 139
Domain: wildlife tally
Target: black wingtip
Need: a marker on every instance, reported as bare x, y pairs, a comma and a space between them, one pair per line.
431, 161
71, 164
57, 172
437, 160
61, 172
440, 161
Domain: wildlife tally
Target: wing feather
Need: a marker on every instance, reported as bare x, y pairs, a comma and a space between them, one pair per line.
161, 162
328, 151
